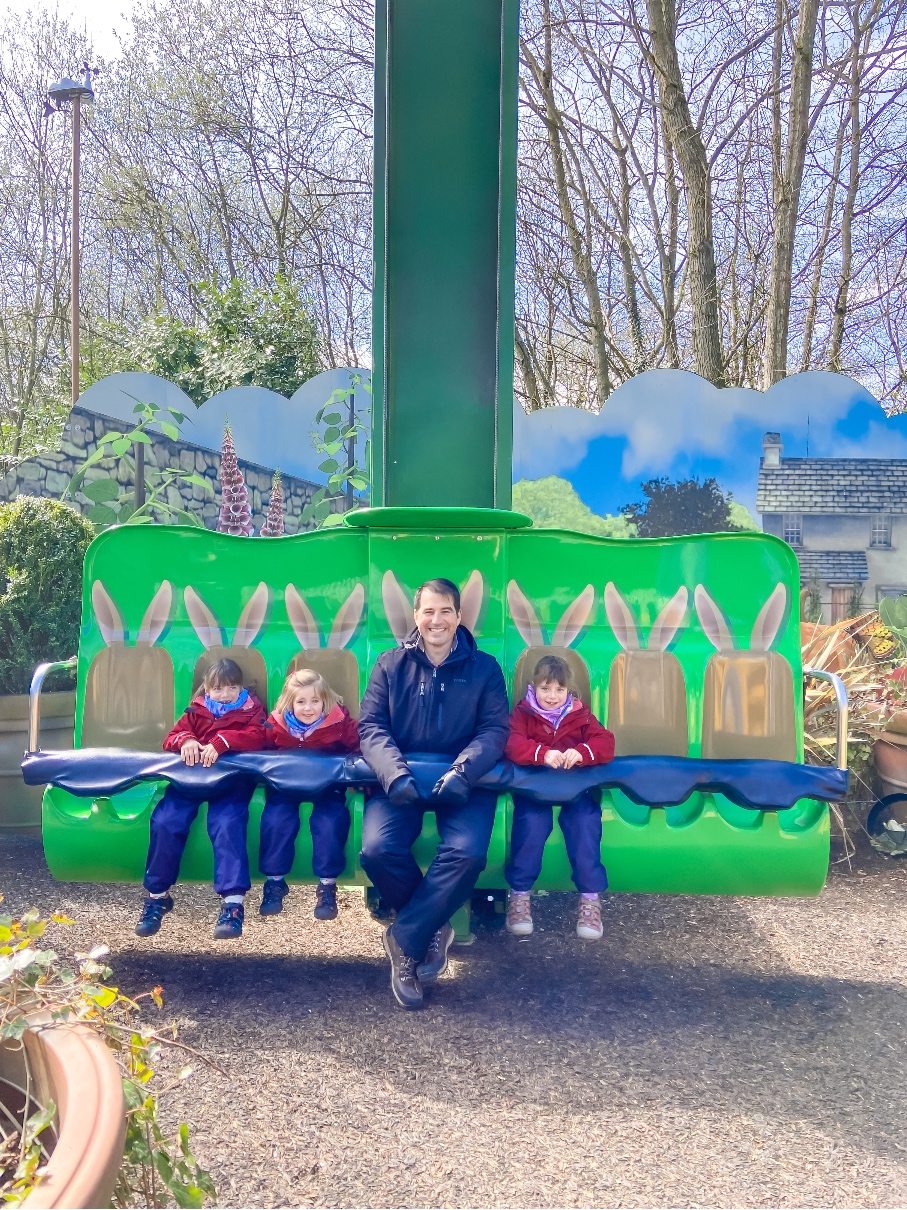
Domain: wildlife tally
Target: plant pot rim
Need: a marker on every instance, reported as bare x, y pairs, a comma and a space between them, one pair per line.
60, 704
91, 1117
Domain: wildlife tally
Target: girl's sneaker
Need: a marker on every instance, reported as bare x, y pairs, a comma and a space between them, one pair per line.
272, 896
152, 914
229, 922
589, 924
519, 915
326, 901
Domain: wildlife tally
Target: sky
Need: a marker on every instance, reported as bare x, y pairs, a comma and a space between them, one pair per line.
99, 17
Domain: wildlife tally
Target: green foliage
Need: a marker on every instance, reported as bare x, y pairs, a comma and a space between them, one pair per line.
42, 545
740, 516
684, 507
247, 337
346, 428
894, 615
111, 504
157, 1166
553, 503
855, 604
812, 608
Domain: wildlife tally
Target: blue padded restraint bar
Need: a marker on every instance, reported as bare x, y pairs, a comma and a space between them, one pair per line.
654, 781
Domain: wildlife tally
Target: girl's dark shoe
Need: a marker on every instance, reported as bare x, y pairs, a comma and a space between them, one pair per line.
272, 896
326, 901
229, 922
152, 914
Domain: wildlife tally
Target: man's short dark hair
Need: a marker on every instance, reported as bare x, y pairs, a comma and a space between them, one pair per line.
441, 588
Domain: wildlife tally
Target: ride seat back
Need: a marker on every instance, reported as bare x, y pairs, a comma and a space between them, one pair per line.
525, 666
647, 704
338, 667
748, 707
128, 699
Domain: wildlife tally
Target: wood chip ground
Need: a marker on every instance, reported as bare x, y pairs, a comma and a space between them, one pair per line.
708, 1052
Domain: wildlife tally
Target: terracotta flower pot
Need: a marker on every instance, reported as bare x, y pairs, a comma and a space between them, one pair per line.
20, 805
71, 1066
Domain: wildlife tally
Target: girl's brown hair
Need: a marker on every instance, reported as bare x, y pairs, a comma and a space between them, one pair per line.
552, 668
307, 678
222, 674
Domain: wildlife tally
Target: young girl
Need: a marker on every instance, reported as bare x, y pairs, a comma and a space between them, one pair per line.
552, 727
225, 717
310, 717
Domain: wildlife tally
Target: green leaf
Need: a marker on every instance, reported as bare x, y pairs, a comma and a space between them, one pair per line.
100, 490
169, 430
143, 437
334, 418
359, 484
120, 447
329, 465
331, 434
179, 417
101, 514
199, 480
332, 520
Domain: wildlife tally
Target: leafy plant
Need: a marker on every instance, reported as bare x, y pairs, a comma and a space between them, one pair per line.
156, 1166
42, 547
342, 434
812, 607
111, 503
894, 615
682, 507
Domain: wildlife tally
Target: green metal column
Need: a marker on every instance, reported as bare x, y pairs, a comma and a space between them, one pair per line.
444, 210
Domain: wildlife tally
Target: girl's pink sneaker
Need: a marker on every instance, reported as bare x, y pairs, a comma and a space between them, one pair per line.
519, 915
589, 925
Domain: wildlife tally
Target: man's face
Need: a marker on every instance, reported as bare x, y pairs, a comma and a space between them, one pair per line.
436, 620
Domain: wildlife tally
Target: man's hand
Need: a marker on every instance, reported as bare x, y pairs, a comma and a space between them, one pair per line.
209, 755
403, 791
452, 787
554, 760
191, 752
572, 757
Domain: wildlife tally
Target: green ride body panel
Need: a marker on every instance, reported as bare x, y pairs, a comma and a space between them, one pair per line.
706, 845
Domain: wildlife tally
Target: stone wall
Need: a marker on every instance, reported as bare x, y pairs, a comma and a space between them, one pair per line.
49, 473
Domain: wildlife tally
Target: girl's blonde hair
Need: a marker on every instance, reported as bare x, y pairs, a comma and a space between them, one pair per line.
307, 678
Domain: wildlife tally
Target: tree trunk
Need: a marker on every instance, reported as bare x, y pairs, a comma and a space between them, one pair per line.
697, 187
788, 178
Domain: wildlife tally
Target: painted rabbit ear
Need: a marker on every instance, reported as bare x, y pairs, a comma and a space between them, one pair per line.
769, 619
621, 618
398, 608
669, 621
348, 618
302, 619
524, 616
253, 616
472, 598
574, 618
110, 622
204, 623
157, 615
712, 621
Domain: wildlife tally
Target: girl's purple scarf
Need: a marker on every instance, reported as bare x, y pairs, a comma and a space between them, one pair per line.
300, 730
219, 709
554, 717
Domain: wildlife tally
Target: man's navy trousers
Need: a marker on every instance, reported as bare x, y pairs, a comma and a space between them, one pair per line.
228, 821
424, 902
581, 824
329, 824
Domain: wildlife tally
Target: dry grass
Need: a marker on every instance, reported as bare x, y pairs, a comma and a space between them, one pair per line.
709, 1052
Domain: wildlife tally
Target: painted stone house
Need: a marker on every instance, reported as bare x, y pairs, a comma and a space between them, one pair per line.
846, 518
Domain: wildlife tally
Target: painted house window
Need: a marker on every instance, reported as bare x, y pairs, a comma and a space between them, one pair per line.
880, 530
892, 591
793, 529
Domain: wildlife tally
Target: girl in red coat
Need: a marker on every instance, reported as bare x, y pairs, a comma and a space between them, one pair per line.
224, 717
552, 727
309, 717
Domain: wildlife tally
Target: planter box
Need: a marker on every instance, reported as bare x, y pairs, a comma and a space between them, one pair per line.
71, 1066
20, 805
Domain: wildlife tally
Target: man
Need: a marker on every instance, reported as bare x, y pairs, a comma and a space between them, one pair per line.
435, 693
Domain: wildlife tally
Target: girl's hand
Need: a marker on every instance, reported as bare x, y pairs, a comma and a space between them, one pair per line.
553, 759
209, 755
191, 752
572, 757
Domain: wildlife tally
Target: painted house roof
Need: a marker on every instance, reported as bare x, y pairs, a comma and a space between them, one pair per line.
833, 566
833, 485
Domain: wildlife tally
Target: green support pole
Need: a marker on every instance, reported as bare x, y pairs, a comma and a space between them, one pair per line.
444, 211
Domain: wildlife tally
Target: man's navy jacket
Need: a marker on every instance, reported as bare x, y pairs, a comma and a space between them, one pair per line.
459, 709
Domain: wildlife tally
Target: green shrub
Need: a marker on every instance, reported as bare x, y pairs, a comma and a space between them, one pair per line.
42, 545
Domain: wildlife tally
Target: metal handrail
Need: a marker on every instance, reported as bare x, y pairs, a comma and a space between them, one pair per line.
34, 697
842, 704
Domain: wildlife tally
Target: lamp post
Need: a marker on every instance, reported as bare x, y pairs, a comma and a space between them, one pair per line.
62, 92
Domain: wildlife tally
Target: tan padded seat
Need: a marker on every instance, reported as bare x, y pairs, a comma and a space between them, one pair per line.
647, 704
525, 666
338, 667
748, 707
128, 699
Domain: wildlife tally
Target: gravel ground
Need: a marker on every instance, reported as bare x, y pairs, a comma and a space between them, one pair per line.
708, 1052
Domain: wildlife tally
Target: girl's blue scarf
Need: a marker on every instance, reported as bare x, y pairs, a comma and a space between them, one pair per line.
554, 717
219, 709
300, 730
